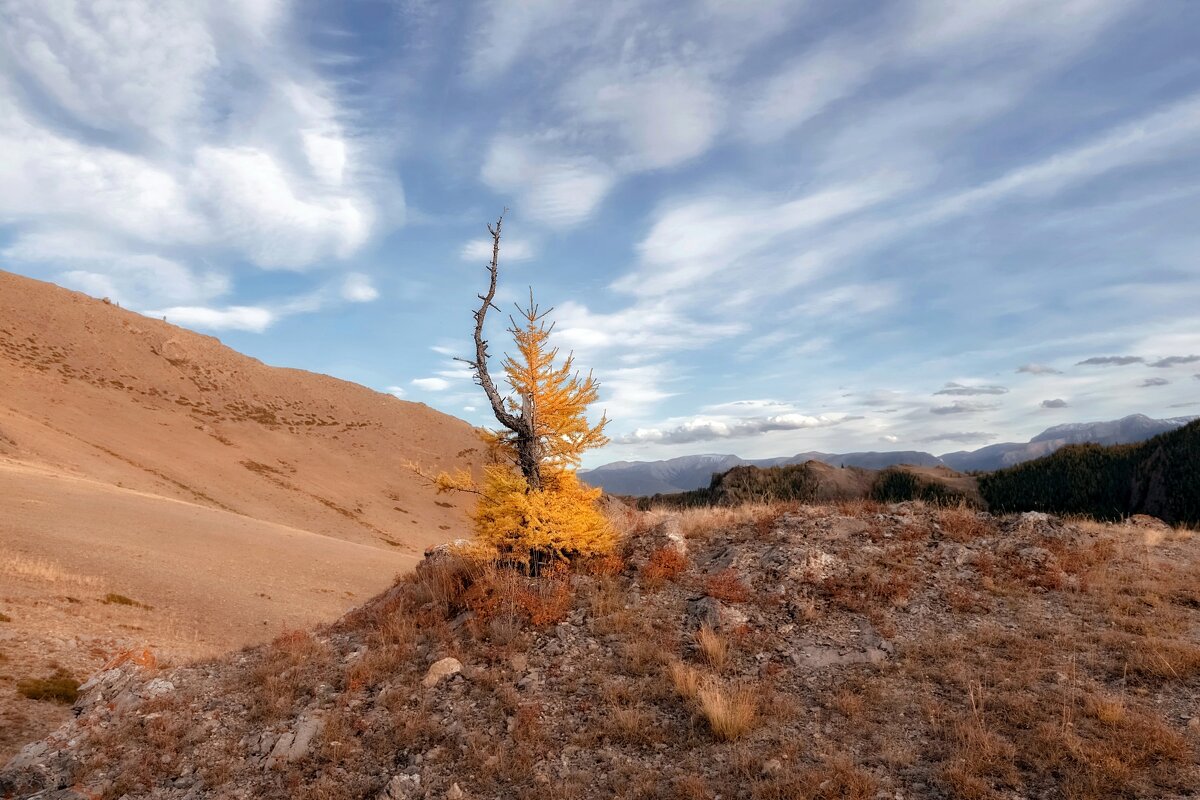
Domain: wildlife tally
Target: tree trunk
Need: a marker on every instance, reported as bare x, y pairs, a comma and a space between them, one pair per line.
529, 447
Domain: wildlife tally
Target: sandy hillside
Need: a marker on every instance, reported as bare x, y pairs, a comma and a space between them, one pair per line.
91, 389
227, 498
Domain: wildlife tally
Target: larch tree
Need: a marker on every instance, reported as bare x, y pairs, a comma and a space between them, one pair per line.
532, 507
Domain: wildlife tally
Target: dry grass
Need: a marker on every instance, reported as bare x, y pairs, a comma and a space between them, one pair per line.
870, 587
731, 711
703, 522
60, 687
963, 524
685, 679
712, 647
15, 565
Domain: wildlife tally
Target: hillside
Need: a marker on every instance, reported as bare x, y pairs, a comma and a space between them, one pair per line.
98, 391
818, 482
855, 651
684, 473
231, 498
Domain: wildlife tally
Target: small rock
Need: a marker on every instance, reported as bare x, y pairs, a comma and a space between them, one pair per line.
441, 669
402, 787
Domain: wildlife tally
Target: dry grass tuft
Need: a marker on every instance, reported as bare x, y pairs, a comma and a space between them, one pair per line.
713, 648
706, 521
963, 524
685, 679
731, 711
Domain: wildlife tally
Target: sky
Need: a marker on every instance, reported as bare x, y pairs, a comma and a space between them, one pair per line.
768, 227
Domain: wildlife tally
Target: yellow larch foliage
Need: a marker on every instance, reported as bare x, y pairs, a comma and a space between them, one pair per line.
559, 396
561, 518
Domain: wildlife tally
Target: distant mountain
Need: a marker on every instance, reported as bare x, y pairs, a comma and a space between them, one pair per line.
642, 478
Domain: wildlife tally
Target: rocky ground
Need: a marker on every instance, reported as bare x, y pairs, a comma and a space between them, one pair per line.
853, 651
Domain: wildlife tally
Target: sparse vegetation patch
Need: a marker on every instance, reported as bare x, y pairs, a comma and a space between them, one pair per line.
60, 687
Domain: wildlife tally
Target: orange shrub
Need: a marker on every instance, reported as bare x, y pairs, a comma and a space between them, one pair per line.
727, 585
665, 564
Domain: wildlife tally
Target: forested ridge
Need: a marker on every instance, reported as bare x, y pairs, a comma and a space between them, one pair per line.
1159, 477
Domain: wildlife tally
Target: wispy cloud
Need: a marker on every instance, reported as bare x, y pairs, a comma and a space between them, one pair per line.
239, 318
962, 407
481, 250
1111, 361
1039, 369
1171, 361
1148, 382
1056, 403
965, 437
953, 388
704, 429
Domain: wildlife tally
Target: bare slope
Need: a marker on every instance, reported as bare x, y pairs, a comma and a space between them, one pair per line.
232, 498
93, 390
88, 570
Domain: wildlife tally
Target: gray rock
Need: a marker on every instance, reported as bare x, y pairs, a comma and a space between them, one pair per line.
294, 745
715, 614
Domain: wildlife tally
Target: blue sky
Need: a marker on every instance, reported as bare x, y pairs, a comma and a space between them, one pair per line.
769, 227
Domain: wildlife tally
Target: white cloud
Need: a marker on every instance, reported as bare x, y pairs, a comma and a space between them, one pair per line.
961, 389
258, 208
703, 429
109, 71
104, 267
965, 437
806, 87
555, 189
504, 29
431, 384
510, 250
242, 318
357, 288
704, 239
661, 118
218, 146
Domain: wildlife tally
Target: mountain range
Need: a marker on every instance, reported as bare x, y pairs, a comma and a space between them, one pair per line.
642, 478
